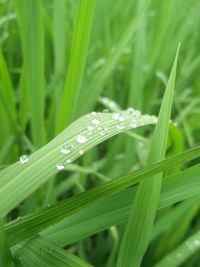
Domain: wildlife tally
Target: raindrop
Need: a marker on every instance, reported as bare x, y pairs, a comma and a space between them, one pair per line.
120, 126
66, 149
60, 166
137, 113
69, 161
90, 128
24, 159
133, 124
81, 151
121, 118
81, 139
130, 110
95, 121
93, 113
115, 116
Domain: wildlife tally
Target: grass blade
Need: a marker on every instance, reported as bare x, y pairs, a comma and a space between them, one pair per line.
139, 228
32, 39
79, 47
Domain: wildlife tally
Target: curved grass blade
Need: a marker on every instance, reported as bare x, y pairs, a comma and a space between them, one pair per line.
20, 180
140, 225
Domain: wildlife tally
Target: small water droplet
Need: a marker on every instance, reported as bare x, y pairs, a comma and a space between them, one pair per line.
115, 116
81, 139
68, 161
66, 149
93, 113
24, 159
48, 205
133, 124
121, 118
90, 128
60, 166
81, 151
130, 110
120, 126
137, 113
96, 121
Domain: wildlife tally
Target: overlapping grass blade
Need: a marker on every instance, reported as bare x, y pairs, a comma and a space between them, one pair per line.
79, 48
38, 251
28, 226
139, 228
32, 39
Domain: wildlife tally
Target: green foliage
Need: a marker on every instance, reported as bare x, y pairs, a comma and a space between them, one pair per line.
96, 188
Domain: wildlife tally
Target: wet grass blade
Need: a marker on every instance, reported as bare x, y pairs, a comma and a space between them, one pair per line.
140, 225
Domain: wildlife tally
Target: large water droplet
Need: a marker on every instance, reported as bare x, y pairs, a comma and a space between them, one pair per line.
81, 139
24, 159
66, 149
95, 121
60, 166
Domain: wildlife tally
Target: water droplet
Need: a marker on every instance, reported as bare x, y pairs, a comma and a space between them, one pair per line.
121, 118
68, 161
24, 159
120, 126
115, 116
60, 166
133, 124
93, 113
90, 128
48, 205
66, 149
130, 110
81, 139
137, 113
96, 121
81, 151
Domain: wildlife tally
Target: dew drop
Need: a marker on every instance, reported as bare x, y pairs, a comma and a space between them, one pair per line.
68, 161
81, 151
121, 118
120, 126
81, 139
130, 110
60, 166
66, 149
115, 116
90, 128
133, 124
96, 121
137, 113
24, 159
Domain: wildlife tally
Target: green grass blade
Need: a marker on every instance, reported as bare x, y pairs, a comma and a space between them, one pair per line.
182, 252
19, 180
27, 226
38, 251
32, 38
139, 228
5, 254
79, 48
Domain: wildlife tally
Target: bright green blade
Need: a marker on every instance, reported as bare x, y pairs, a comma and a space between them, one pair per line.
19, 180
32, 38
79, 48
5, 254
139, 228
27, 226
38, 251
182, 252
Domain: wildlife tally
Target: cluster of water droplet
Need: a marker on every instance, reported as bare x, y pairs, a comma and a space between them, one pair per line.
97, 125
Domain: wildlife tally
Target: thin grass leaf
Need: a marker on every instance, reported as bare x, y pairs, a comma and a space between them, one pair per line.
79, 48
5, 253
139, 228
32, 39
27, 226
182, 252
38, 251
